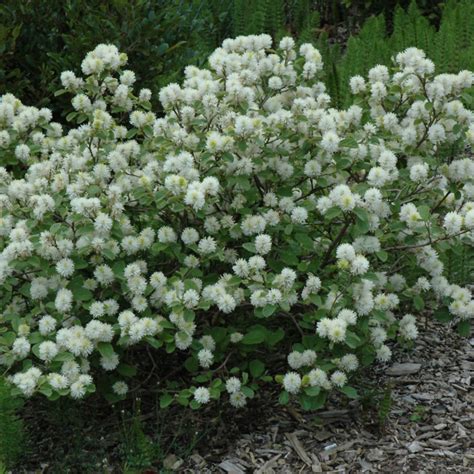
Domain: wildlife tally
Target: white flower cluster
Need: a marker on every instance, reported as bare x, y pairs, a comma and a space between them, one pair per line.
252, 213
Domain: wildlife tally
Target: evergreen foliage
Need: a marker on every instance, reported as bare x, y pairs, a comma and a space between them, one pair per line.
165, 36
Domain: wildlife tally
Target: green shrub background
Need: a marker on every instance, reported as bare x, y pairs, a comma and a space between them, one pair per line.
40, 39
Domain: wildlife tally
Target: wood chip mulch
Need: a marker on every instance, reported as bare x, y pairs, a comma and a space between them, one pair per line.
429, 429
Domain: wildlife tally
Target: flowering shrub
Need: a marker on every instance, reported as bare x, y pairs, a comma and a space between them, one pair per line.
252, 234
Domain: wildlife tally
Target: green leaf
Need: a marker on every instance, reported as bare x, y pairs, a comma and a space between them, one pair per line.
191, 364
165, 400
256, 368
218, 333
132, 132
158, 247
7, 339
249, 246
247, 391
353, 340
361, 214
70, 116
182, 400
108, 254
63, 357
215, 393
106, 349
332, 213
46, 390
118, 268
312, 403
424, 212
351, 392
274, 337
289, 257
155, 343
35, 350
312, 391
194, 405
284, 398
382, 255
268, 310
349, 142
305, 240
443, 315
464, 328
202, 378
418, 302
254, 336
60, 92
80, 293
127, 370
80, 263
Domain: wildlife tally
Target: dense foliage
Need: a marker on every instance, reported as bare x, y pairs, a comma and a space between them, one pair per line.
253, 234
40, 39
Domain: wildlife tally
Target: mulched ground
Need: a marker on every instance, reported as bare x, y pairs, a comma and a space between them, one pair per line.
426, 426
429, 429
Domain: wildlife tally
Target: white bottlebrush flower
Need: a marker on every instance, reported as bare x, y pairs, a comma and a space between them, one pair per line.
295, 360
357, 84
202, 395
263, 244
206, 358
349, 363
318, 378
47, 324
236, 337
58, 381
189, 236
65, 267
166, 235
292, 382
330, 142
383, 353
110, 362
48, 350
359, 265
207, 245
63, 301
419, 172
238, 399
233, 385
21, 347
338, 378
337, 330
299, 215
345, 252
120, 388
453, 222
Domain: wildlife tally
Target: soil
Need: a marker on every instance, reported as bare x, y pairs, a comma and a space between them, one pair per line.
429, 429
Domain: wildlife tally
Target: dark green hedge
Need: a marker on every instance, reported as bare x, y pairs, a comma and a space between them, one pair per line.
39, 39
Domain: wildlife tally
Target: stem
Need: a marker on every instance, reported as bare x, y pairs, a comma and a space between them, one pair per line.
335, 243
416, 246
